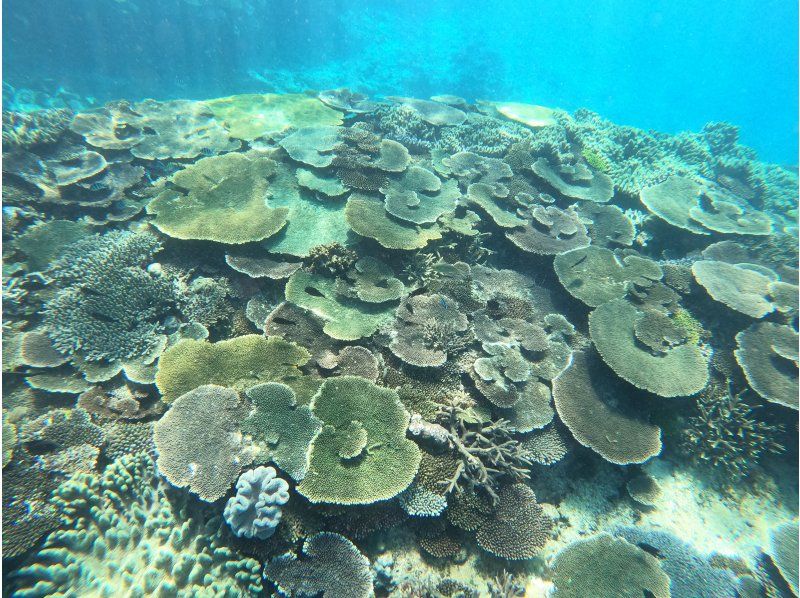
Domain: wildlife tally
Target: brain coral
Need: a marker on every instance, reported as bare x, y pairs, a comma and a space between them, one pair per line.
384, 464
281, 429
239, 362
596, 409
767, 353
123, 534
602, 565
679, 371
329, 566
220, 198
255, 510
199, 441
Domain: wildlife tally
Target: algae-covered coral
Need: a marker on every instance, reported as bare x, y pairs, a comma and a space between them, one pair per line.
315, 344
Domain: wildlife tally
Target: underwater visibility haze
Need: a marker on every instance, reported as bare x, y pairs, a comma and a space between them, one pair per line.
400, 299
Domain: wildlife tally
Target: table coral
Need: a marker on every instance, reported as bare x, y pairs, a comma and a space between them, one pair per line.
386, 461
223, 199
199, 442
240, 362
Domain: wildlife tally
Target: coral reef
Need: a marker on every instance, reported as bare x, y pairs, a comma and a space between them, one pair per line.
606, 566
323, 344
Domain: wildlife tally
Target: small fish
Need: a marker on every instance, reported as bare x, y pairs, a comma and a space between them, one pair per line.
98, 186
207, 151
442, 302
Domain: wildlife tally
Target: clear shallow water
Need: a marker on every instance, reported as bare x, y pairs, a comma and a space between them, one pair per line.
263, 335
665, 65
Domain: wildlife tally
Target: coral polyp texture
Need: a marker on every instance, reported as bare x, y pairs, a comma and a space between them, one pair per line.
361, 455
348, 345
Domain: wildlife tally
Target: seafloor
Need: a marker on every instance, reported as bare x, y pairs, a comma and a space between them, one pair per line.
313, 344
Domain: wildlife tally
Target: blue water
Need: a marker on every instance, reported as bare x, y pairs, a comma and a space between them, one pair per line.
668, 65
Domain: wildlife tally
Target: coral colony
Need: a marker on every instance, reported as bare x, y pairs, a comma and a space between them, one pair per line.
328, 345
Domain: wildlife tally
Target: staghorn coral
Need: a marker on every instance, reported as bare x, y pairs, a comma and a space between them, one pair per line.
487, 451
726, 435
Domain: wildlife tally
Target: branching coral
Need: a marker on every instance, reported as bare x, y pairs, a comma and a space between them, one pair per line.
122, 532
488, 452
108, 306
726, 435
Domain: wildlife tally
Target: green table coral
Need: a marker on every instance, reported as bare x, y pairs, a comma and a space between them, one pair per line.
345, 318
310, 222
678, 371
369, 219
250, 116
384, 464
596, 275
281, 429
240, 363
222, 198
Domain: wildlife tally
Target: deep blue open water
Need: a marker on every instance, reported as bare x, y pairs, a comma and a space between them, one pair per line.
669, 65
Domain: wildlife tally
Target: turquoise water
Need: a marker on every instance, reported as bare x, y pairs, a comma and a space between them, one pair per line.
400, 300
664, 65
